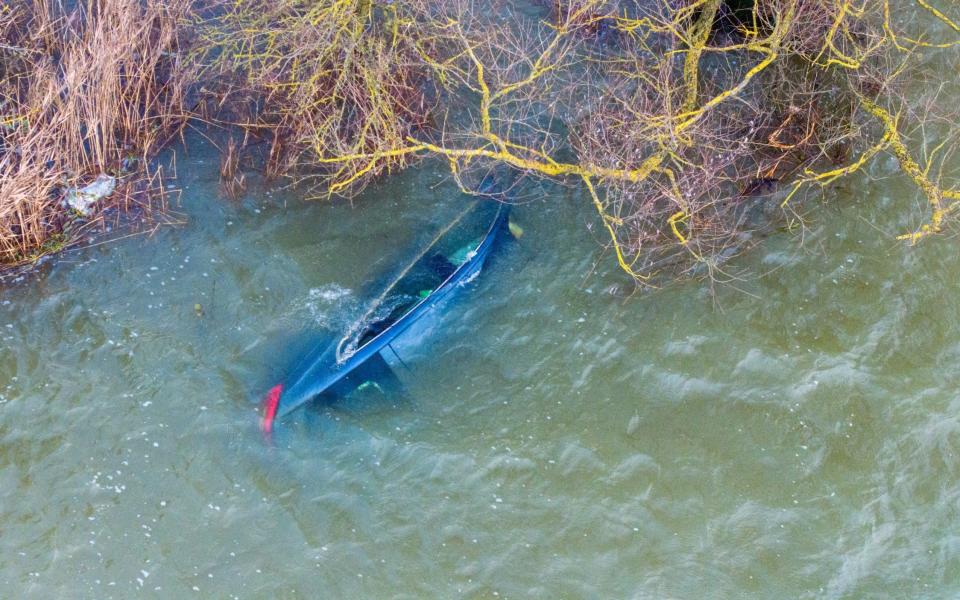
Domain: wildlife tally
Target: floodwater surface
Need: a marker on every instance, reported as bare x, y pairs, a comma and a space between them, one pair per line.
792, 433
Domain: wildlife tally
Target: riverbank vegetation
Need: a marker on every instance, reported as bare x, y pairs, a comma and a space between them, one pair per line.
690, 125
94, 90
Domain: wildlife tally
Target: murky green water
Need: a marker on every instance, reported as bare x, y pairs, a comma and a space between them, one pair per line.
797, 438
792, 435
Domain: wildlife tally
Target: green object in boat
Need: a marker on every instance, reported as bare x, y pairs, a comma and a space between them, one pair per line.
515, 230
425, 293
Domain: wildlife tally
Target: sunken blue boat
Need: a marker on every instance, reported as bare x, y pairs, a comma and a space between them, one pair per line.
331, 369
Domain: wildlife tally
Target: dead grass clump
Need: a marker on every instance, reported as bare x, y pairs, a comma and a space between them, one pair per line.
98, 88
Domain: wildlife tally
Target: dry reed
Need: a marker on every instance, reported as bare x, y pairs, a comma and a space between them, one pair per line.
98, 88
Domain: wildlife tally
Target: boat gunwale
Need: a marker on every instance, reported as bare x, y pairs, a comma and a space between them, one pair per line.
395, 328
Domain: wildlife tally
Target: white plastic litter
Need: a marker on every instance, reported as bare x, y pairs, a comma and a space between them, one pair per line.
83, 199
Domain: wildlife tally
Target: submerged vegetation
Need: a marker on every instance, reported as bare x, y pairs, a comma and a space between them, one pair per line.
689, 124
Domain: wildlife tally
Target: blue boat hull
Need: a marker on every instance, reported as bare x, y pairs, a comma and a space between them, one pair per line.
325, 371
